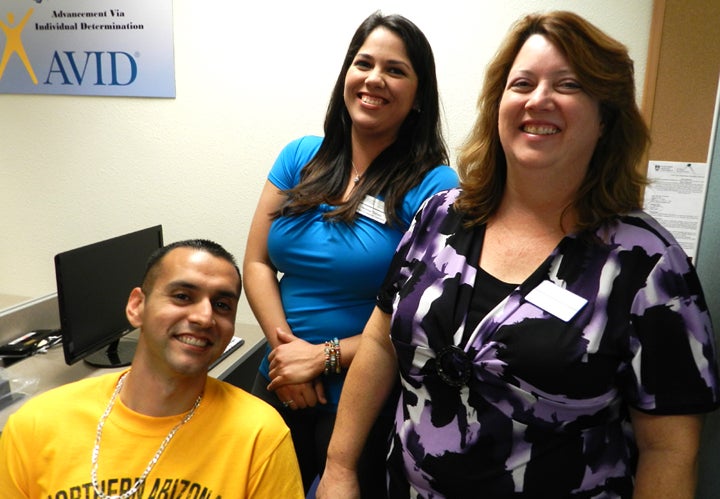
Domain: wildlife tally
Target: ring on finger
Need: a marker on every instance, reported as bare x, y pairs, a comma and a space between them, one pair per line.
288, 403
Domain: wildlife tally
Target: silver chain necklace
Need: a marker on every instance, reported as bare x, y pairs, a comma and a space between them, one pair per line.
356, 179
151, 464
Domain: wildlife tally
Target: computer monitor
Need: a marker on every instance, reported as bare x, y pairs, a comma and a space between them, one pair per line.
93, 285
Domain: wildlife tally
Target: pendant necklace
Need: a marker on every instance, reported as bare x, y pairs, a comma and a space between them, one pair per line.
356, 179
153, 461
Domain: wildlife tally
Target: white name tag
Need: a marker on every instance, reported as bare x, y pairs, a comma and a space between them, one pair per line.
373, 208
555, 300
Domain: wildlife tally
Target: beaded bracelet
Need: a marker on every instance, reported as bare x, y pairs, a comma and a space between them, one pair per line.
328, 353
332, 357
336, 348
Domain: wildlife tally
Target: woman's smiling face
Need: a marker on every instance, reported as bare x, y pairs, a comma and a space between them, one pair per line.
545, 118
380, 85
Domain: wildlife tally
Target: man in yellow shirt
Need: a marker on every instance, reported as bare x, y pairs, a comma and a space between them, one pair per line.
162, 428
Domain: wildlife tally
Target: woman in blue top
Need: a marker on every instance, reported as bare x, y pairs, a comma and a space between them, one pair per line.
329, 219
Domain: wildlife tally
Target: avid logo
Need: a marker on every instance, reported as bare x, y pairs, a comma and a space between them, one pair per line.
69, 67
107, 68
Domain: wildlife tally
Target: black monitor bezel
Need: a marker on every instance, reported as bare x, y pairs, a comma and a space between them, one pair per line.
119, 350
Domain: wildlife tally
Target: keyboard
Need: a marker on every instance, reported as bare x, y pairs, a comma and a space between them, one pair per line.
235, 343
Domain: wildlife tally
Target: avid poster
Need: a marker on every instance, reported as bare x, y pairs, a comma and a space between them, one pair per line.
87, 47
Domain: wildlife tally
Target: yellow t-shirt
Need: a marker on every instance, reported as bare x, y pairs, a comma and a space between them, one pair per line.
235, 446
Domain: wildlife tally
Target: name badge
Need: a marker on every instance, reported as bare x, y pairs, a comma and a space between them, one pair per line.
555, 300
373, 208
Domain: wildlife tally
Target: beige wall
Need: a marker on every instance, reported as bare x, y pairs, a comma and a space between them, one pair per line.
74, 170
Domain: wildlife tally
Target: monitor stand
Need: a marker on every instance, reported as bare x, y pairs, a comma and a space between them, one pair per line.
119, 353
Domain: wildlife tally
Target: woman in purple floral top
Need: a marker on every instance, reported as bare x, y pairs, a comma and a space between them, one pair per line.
552, 339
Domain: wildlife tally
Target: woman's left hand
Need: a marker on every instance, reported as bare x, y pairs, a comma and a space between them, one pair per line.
294, 360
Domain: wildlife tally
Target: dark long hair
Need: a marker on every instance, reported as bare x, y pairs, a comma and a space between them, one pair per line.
418, 148
613, 183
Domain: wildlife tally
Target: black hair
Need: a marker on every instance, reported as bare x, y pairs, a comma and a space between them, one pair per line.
418, 148
153, 261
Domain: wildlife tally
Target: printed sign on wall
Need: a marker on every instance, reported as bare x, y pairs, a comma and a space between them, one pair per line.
87, 47
676, 198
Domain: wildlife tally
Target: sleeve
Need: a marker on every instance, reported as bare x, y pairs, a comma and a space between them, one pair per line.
674, 368
12, 463
438, 179
285, 172
423, 235
279, 475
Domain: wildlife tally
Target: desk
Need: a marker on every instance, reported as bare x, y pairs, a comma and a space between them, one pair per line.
51, 371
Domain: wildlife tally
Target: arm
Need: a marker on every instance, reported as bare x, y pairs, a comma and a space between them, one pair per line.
262, 290
259, 274
368, 384
668, 448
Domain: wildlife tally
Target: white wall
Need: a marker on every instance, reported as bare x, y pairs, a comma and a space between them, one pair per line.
74, 170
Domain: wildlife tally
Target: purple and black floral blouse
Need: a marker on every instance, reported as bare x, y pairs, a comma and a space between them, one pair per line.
523, 390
